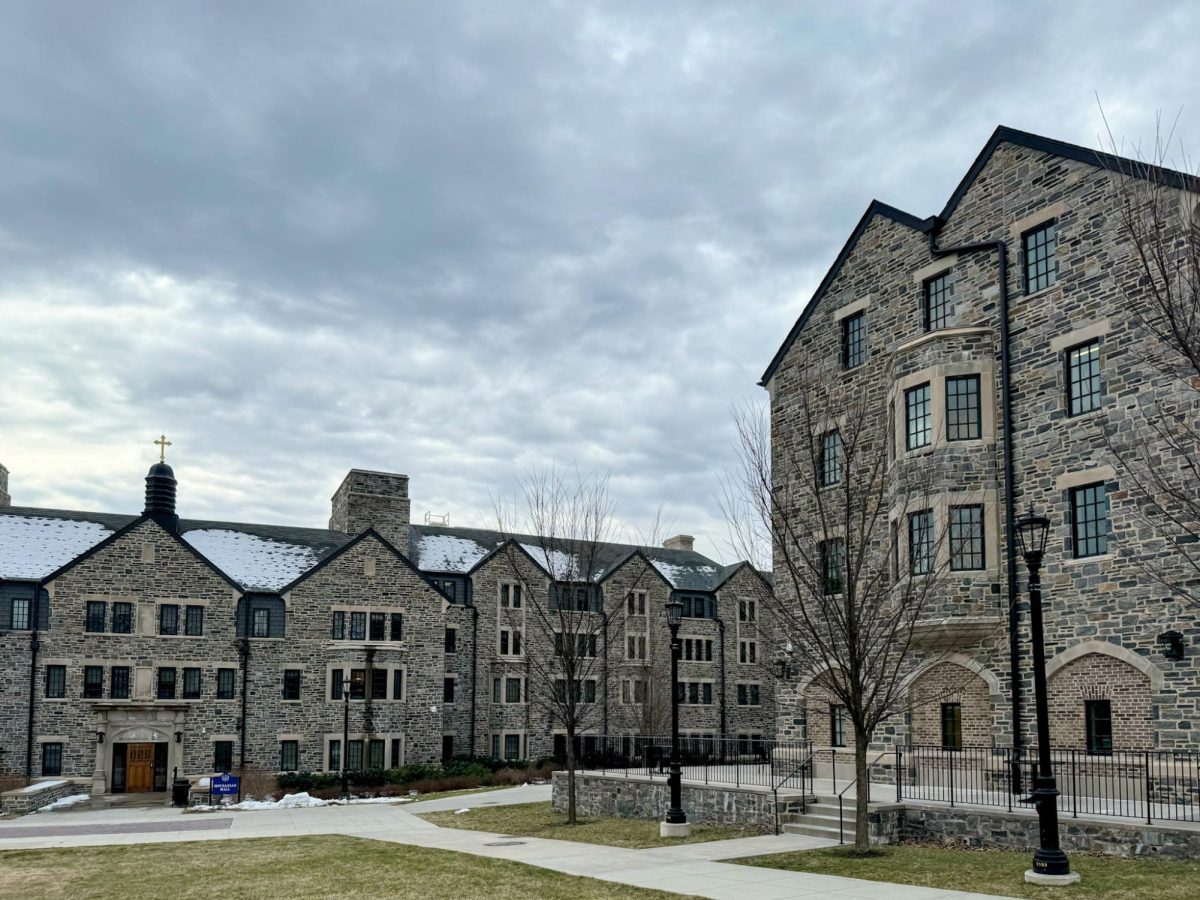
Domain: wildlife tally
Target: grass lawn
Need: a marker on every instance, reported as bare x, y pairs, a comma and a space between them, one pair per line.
999, 872
438, 795
540, 820
296, 868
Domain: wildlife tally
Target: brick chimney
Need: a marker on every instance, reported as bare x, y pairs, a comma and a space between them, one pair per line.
5, 500
679, 542
373, 499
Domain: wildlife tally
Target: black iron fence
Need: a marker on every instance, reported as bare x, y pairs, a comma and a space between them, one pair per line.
1154, 785
738, 762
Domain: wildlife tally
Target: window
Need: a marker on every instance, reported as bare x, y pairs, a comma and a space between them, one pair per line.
375, 753
225, 686
18, 614
1041, 264
512, 746
358, 684
510, 642
222, 756
831, 459
289, 756
936, 308
895, 535
397, 684
339, 626
748, 695
962, 408
166, 684
512, 690
966, 538
93, 682
833, 562
697, 606
354, 755
748, 651
918, 428
191, 684
358, 626
193, 622
168, 619
335, 756
56, 681
52, 758
952, 726
1089, 520
510, 596
837, 725
635, 646
260, 624
496, 690
1083, 378
586, 645
451, 640
378, 626
1098, 719
697, 649
747, 611
447, 690
920, 542
447, 747
118, 682
395, 761
291, 684
633, 690
696, 693
854, 340
97, 612
122, 618
637, 603
336, 684
589, 691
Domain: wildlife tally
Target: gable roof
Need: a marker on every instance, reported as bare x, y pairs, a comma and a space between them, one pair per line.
349, 544
1002, 134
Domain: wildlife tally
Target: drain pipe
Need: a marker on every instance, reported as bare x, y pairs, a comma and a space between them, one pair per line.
1014, 647
721, 634
475, 673
244, 647
34, 646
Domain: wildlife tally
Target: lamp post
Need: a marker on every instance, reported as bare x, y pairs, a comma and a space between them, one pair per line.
345, 741
676, 824
1050, 864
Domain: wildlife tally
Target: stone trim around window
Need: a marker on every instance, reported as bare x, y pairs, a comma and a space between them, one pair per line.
1081, 335
936, 377
940, 505
1074, 479
1018, 228
851, 308
936, 267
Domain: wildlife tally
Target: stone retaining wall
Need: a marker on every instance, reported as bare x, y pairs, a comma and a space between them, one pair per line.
639, 798
35, 796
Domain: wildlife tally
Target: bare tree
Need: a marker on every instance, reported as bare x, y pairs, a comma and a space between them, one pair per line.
1156, 438
832, 503
565, 525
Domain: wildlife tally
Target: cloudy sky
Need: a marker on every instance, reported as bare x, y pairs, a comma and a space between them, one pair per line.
457, 241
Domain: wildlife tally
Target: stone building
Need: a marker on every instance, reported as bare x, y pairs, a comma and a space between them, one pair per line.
132, 647
993, 344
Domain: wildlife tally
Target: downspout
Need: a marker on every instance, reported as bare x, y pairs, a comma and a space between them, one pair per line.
244, 647
34, 645
475, 673
721, 643
1014, 646
604, 615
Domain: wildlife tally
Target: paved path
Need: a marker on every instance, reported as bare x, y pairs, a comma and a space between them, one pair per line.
688, 868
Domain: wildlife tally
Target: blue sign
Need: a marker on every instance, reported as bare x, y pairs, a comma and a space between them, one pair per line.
226, 784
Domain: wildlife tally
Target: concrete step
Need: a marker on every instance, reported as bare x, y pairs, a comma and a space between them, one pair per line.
819, 831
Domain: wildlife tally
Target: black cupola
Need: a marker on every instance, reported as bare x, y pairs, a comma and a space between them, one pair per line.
160, 495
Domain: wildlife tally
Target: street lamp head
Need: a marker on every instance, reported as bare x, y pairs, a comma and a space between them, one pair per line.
674, 613
1032, 531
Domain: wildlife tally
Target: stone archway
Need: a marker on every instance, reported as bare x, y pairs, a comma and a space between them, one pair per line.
950, 682
1114, 677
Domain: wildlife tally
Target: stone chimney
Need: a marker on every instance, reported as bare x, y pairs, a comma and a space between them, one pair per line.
373, 499
5, 500
679, 542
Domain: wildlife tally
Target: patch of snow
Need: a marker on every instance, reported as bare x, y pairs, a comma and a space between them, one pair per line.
675, 574
302, 800
561, 565
465, 809
34, 546
447, 553
63, 803
251, 561
41, 786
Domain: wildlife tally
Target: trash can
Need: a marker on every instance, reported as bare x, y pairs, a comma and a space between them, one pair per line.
179, 791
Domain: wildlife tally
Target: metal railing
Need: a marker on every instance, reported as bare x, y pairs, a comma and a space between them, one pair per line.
738, 762
841, 795
799, 776
1154, 785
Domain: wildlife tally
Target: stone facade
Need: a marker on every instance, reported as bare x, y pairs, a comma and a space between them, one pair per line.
5, 499
212, 645
1104, 615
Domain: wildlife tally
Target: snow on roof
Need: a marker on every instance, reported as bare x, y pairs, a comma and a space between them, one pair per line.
561, 565
683, 577
446, 553
35, 546
252, 561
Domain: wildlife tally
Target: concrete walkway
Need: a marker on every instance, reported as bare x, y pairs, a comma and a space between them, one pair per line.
687, 869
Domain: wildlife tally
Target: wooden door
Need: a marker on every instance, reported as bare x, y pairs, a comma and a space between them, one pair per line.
139, 767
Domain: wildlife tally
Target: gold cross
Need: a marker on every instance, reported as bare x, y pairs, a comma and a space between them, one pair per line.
162, 443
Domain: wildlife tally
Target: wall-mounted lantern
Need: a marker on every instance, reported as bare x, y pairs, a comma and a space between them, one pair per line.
1172, 644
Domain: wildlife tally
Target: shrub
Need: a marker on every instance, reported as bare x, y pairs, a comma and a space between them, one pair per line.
459, 768
413, 772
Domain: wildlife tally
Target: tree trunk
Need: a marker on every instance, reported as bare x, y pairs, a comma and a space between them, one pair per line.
570, 776
862, 794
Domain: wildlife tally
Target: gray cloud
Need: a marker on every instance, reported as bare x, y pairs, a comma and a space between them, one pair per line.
459, 240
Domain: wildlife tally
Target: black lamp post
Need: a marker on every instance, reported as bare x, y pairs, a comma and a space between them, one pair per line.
1050, 863
676, 823
345, 741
